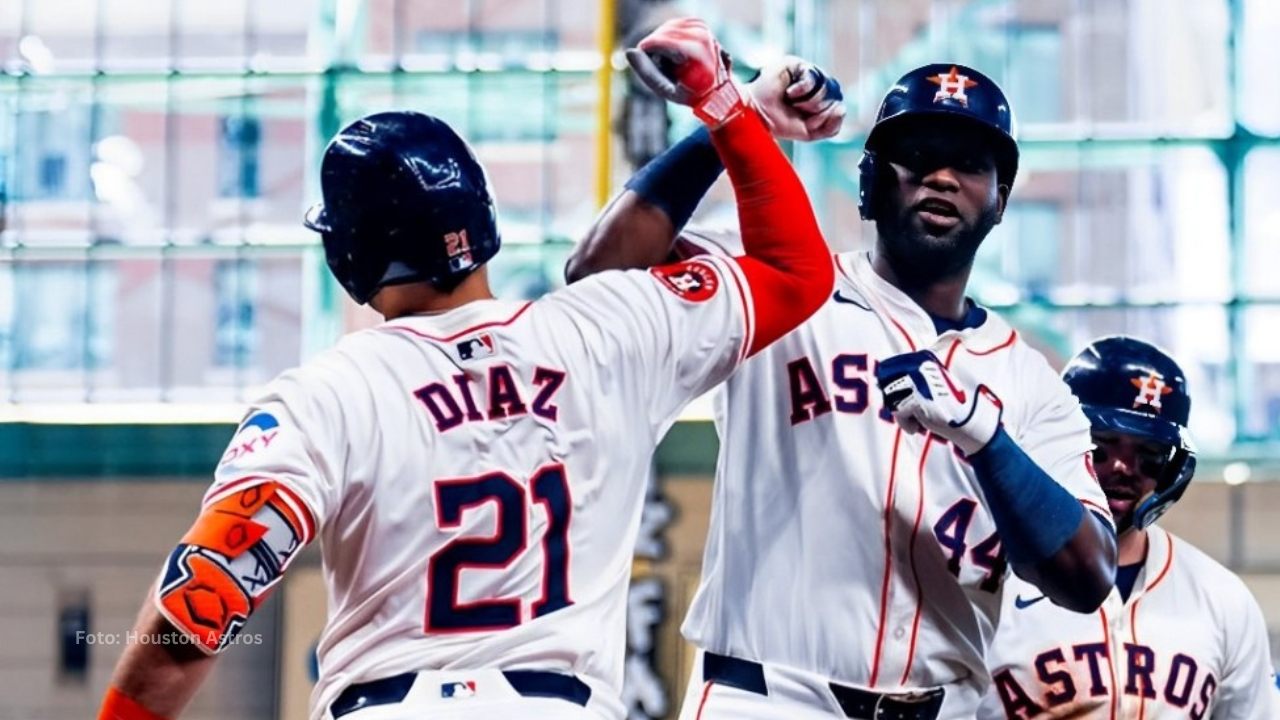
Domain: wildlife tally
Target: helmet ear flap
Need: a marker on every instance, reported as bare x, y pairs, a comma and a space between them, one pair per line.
868, 179
1180, 469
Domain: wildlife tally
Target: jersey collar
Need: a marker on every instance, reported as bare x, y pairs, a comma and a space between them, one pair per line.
985, 333
1155, 570
475, 315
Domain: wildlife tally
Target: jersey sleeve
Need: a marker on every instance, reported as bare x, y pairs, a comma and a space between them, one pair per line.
1248, 685
291, 435
671, 332
1056, 435
694, 241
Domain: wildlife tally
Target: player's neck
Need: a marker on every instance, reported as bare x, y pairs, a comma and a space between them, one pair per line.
941, 297
1131, 547
421, 299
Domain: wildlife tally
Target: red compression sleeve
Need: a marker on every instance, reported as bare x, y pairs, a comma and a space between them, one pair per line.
118, 706
787, 264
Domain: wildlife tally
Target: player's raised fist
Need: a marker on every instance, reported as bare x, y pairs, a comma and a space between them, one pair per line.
682, 61
797, 100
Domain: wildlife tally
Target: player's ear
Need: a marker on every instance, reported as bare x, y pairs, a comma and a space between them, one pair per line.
1002, 201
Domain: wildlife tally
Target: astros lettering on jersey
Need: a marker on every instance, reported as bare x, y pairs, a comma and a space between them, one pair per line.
509, 443
843, 546
1190, 642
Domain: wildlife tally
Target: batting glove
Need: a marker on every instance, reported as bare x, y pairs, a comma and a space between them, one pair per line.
924, 396
797, 100
682, 61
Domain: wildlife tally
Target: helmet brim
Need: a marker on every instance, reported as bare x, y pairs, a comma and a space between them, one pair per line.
1142, 425
1003, 145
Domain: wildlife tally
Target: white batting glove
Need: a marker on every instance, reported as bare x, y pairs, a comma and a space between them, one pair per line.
797, 100
924, 396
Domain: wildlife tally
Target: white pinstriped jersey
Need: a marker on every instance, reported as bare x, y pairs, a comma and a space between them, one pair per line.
1189, 643
477, 476
841, 546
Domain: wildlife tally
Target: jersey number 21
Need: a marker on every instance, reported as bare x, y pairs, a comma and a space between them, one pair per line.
549, 488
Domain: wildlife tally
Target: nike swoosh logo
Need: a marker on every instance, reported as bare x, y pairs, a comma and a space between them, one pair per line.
849, 301
1021, 604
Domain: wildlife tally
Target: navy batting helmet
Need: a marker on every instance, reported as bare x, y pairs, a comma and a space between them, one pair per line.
1129, 386
405, 200
947, 92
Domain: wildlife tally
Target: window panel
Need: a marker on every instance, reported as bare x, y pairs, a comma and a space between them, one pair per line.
136, 34
10, 33
78, 329
1262, 224
59, 36
137, 302
491, 34
48, 156
1152, 230
1259, 55
1059, 62
282, 34
213, 35
232, 324
1262, 373
61, 326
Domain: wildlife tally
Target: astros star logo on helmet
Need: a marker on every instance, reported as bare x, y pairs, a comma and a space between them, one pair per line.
952, 86
1150, 390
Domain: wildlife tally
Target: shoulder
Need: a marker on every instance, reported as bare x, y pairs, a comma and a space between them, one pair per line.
996, 344
698, 240
1223, 592
694, 280
996, 338
1039, 381
1220, 582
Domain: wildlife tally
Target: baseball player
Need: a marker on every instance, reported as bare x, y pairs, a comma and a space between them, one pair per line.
1180, 636
859, 540
473, 468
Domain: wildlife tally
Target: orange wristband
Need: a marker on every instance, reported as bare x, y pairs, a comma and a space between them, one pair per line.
118, 706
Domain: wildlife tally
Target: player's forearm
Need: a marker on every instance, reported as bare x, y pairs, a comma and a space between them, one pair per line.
1079, 576
159, 676
787, 263
630, 233
1049, 538
639, 226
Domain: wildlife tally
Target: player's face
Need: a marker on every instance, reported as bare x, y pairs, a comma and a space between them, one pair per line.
1128, 469
942, 195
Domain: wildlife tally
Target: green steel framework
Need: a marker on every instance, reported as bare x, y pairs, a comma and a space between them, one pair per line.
21, 444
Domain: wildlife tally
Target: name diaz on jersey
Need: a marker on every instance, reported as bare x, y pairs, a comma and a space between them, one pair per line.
455, 402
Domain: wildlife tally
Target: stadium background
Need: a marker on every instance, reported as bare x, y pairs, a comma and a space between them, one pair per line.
155, 159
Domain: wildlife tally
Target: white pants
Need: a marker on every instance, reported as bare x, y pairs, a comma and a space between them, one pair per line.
793, 695
492, 699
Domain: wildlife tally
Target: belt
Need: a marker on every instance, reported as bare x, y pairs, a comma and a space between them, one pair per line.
856, 703
527, 683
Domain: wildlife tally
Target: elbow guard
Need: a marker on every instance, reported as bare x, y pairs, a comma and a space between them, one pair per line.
230, 559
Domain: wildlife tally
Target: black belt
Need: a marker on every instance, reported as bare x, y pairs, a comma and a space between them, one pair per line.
859, 704
528, 683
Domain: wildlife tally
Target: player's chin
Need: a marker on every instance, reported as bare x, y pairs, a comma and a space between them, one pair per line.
935, 240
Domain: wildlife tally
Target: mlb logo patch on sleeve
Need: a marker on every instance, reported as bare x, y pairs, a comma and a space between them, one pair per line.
476, 347
458, 689
692, 280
